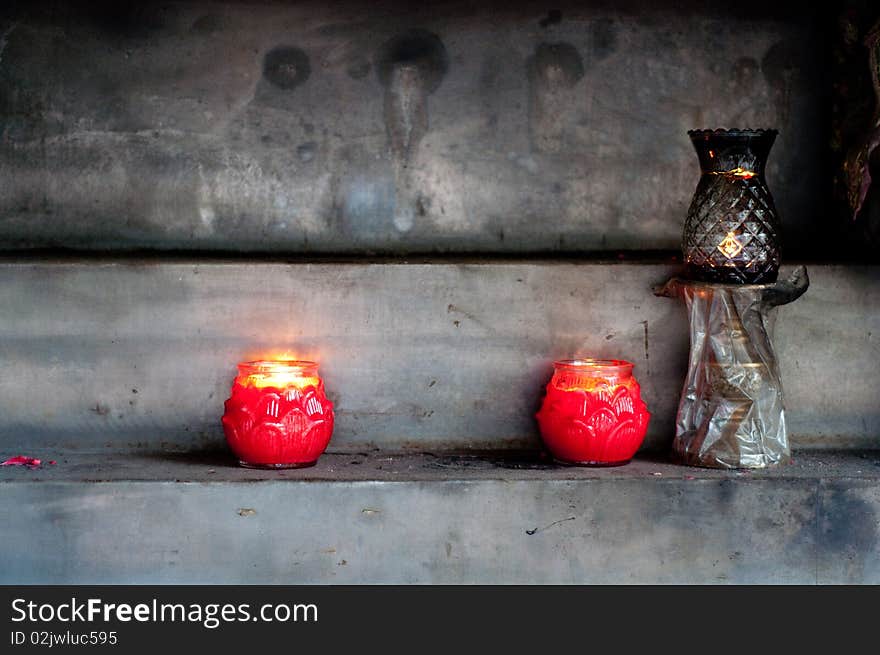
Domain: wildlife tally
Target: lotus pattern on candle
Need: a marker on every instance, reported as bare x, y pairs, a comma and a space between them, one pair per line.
272, 425
604, 425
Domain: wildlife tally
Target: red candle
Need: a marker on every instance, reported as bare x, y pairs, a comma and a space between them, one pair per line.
593, 413
278, 416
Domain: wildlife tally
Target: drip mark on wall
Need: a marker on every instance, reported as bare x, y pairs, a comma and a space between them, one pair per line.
4, 39
410, 67
553, 71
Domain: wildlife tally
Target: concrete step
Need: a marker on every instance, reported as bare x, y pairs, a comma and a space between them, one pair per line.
381, 517
189, 130
128, 354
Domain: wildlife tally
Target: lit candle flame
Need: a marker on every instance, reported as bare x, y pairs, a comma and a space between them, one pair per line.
730, 247
281, 374
591, 375
741, 173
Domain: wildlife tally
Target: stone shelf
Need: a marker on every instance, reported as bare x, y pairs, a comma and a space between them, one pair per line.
388, 466
385, 517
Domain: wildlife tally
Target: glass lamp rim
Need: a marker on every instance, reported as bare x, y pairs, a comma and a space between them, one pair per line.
278, 364
734, 132
590, 363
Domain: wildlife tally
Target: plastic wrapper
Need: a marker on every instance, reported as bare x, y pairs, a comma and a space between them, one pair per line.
731, 411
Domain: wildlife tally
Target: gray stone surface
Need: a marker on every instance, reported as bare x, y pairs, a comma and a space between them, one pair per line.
436, 519
395, 127
380, 465
134, 354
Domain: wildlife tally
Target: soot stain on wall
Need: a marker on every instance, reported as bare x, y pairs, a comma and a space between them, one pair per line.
848, 532
286, 67
416, 47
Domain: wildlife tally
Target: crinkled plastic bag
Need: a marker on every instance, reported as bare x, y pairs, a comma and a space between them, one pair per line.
731, 411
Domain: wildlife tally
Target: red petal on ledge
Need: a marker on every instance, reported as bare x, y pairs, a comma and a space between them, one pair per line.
21, 460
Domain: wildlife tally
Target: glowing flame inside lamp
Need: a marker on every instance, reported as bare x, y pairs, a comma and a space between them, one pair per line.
739, 172
280, 374
730, 247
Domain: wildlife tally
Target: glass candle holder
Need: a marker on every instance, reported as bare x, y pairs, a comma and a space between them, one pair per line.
593, 412
732, 230
278, 415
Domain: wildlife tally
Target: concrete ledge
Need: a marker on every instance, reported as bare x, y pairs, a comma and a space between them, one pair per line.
180, 134
141, 354
388, 518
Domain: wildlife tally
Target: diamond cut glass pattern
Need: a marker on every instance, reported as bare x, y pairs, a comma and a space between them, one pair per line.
732, 230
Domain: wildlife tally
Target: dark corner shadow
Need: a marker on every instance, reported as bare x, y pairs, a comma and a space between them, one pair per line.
523, 460
218, 457
214, 457
534, 459
656, 457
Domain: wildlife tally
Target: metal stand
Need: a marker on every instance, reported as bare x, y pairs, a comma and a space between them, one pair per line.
731, 410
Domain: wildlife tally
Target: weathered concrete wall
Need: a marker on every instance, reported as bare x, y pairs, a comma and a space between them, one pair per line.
813, 522
392, 127
419, 356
